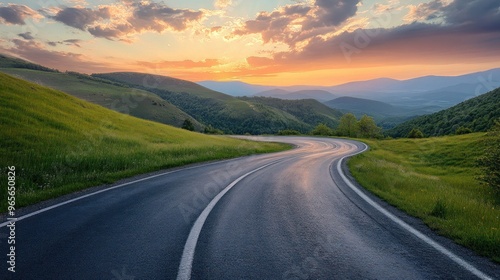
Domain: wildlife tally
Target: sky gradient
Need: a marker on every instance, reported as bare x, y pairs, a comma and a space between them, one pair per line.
272, 42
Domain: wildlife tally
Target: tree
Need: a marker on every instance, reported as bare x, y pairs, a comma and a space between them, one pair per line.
322, 129
367, 128
188, 125
415, 133
348, 125
490, 162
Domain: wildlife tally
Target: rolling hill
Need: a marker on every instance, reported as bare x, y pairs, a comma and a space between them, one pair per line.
386, 115
477, 114
115, 96
222, 111
360, 106
310, 111
60, 144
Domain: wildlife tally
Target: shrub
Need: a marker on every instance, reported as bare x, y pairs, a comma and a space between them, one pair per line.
322, 130
415, 133
188, 125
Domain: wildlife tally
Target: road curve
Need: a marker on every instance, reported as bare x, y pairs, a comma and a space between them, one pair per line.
289, 215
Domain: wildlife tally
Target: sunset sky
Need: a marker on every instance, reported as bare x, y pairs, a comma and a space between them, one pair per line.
271, 42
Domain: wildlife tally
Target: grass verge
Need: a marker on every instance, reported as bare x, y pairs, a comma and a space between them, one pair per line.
60, 144
434, 179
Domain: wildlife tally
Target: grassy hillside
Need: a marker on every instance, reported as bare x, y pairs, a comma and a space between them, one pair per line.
477, 113
115, 96
60, 144
309, 111
174, 85
434, 179
222, 111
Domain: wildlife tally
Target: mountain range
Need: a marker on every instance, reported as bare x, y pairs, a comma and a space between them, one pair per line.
173, 101
440, 91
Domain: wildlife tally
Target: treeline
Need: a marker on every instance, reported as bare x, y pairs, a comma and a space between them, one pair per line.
349, 126
474, 115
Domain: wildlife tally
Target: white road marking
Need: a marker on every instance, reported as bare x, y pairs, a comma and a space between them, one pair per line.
109, 189
186, 264
409, 228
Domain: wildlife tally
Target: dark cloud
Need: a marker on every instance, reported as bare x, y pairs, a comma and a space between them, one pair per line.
69, 42
476, 13
81, 18
16, 14
26, 35
331, 13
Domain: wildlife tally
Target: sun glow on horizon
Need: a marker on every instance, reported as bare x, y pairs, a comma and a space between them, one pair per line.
261, 42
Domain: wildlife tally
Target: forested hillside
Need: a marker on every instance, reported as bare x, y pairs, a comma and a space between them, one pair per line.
477, 114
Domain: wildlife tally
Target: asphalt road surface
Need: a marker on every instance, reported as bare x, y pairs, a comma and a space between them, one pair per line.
289, 215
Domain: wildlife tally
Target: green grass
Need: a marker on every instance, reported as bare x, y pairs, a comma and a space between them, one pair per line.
60, 144
434, 179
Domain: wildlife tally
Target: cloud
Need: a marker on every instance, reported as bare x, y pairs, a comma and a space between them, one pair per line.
277, 26
440, 32
477, 14
16, 14
69, 42
81, 18
482, 14
425, 11
222, 4
184, 64
158, 17
128, 18
331, 13
296, 23
26, 35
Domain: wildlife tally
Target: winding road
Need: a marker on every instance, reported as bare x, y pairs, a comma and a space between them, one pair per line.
289, 215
